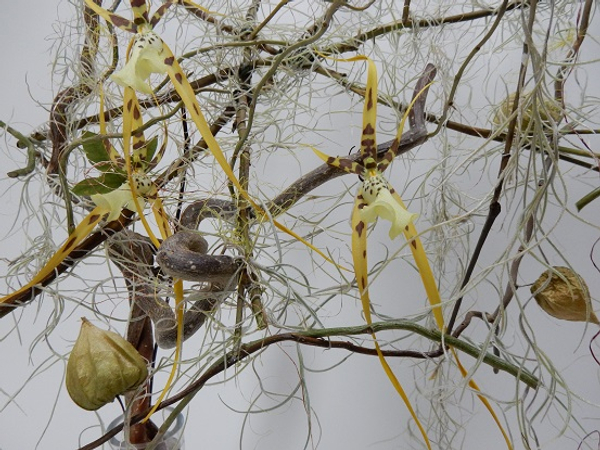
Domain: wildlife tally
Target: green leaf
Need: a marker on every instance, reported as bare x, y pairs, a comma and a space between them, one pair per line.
95, 150
151, 147
587, 199
105, 183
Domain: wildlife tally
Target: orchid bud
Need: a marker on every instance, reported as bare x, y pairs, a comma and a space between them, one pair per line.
565, 296
101, 366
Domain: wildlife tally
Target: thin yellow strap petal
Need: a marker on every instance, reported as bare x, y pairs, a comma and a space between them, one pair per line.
411, 104
484, 400
359, 256
114, 19
131, 118
368, 143
429, 283
131, 110
341, 163
165, 231
433, 295
112, 152
185, 91
82, 231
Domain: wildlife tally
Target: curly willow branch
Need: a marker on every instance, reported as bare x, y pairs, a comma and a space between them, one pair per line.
317, 338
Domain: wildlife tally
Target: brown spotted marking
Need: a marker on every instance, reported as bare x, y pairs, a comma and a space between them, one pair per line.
360, 226
368, 147
169, 60
136, 113
385, 161
369, 99
368, 143
368, 130
179, 78
414, 244
140, 11
91, 219
347, 165
122, 23
196, 110
388, 156
159, 13
370, 164
129, 104
365, 253
394, 147
70, 243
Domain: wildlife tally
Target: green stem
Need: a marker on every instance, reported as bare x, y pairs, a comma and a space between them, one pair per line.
31, 152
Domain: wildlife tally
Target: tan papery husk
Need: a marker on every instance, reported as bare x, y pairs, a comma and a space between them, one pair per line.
101, 366
563, 294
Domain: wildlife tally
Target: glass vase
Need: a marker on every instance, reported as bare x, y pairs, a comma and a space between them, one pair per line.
172, 440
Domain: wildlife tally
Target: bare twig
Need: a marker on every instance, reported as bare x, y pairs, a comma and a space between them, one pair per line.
495, 208
354, 43
320, 338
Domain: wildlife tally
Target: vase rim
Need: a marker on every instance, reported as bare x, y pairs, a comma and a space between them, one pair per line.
172, 432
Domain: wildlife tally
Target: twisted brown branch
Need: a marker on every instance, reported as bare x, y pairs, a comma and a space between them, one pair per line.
320, 338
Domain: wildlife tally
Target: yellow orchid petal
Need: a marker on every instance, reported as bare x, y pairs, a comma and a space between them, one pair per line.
146, 58
380, 202
117, 200
75, 238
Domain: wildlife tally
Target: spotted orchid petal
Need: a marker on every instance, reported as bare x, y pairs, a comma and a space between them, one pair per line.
75, 238
380, 202
146, 58
122, 198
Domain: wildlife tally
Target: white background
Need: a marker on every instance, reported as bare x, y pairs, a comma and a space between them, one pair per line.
354, 402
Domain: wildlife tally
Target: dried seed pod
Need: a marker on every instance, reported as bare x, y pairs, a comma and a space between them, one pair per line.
550, 111
565, 296
101, 366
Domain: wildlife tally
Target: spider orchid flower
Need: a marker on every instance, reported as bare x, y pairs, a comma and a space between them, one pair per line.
122, 197
379, 201
146, 58
376, 198
150, 54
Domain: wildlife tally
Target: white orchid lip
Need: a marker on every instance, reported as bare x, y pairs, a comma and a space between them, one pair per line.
146, 58
381, 203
